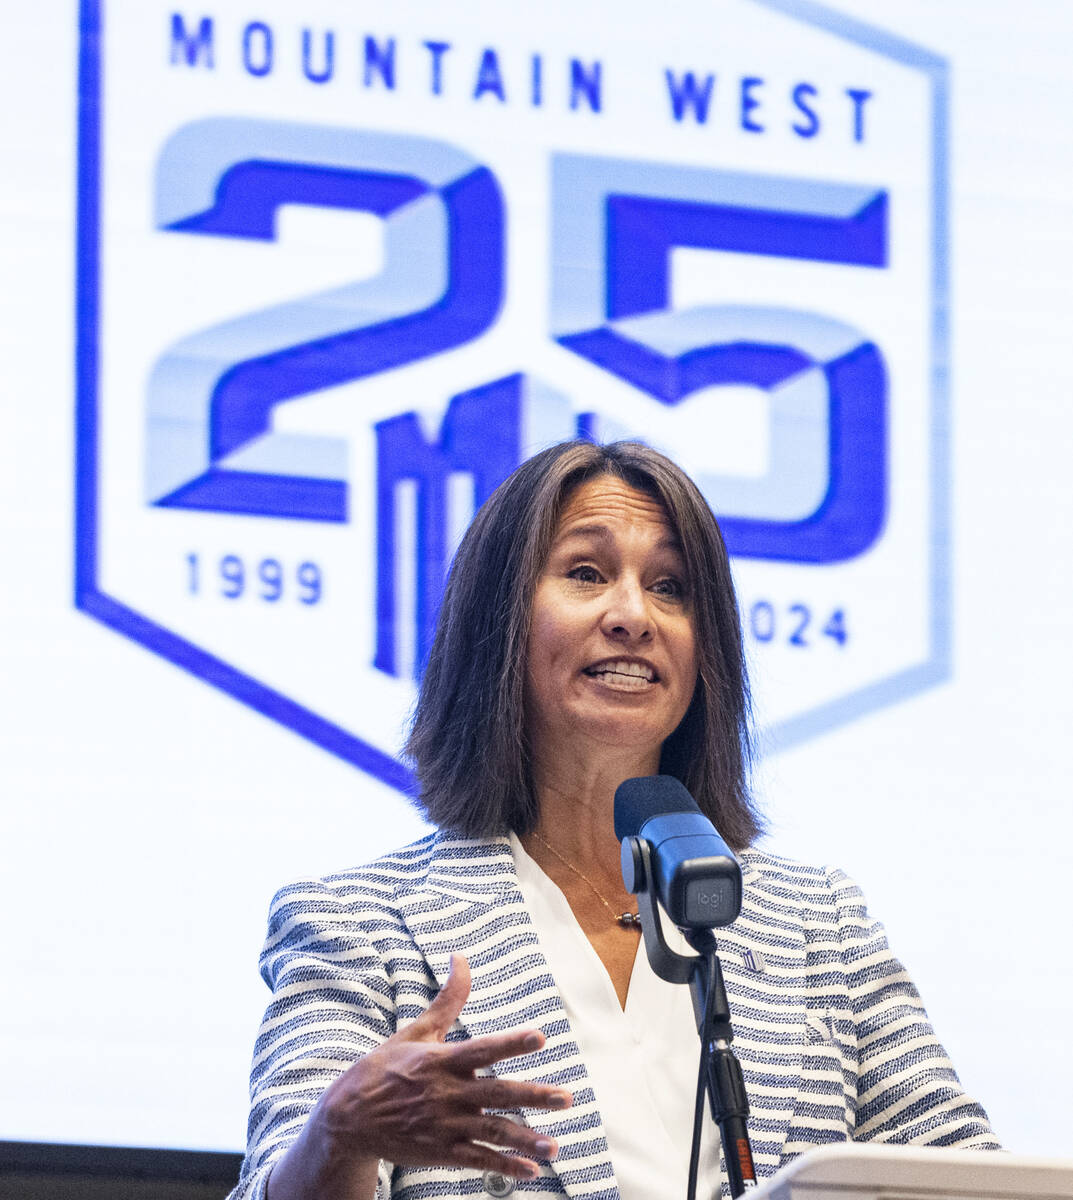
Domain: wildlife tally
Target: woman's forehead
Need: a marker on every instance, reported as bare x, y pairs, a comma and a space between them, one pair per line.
608, 502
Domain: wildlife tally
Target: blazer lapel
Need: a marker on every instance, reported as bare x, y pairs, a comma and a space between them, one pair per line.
470, 901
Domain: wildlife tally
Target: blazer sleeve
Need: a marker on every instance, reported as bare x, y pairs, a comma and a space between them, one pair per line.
907, 1089
332, 1002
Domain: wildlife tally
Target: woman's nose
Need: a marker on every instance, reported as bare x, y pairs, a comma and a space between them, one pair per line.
628, 615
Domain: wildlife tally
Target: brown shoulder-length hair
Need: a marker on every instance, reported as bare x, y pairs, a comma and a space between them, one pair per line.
468, 740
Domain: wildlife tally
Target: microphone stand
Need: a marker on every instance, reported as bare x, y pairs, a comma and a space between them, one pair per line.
702, 971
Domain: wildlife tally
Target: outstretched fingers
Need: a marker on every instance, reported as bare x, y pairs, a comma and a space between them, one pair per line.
483, 1158
487, 1092
476, 1053
481, 1052
470, 1102
487, 1136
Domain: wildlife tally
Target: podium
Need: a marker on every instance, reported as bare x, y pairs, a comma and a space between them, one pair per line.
859, 1171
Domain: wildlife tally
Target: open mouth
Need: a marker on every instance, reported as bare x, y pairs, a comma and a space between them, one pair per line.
623, 673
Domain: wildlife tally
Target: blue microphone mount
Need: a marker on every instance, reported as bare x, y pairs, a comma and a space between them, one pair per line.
720, 1072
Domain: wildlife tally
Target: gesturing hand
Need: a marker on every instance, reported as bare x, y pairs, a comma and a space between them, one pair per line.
416, 1100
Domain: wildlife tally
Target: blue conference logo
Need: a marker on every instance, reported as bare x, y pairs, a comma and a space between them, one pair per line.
271, 484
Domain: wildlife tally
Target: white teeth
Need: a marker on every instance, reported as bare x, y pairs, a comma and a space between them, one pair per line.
631, 669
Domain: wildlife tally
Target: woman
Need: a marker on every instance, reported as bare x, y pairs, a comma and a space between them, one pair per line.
472, 1013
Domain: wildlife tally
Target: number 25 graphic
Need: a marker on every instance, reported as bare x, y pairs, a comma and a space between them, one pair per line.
615, 223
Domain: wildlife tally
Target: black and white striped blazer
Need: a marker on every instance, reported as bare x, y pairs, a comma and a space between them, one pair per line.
832, 1036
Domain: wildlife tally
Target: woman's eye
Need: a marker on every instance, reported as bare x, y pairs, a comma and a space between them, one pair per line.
584, 574
670, 587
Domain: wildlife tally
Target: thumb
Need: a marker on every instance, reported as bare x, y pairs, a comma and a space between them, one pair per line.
442, 1013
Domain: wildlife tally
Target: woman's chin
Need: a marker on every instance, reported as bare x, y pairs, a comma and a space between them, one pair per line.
611, 734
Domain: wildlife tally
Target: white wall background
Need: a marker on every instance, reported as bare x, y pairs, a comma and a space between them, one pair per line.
145, 819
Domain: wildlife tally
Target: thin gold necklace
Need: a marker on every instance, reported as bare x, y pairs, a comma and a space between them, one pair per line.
627, 920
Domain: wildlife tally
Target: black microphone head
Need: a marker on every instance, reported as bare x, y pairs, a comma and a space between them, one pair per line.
649, 796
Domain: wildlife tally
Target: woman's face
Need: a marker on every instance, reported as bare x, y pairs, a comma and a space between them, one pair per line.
612, 655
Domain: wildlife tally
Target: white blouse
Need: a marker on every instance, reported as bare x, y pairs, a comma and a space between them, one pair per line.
642, 1061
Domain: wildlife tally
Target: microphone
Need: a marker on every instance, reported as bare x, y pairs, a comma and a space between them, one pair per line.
672, 854
696, 877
